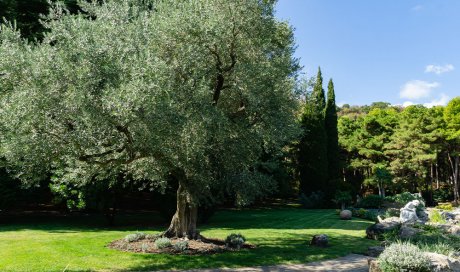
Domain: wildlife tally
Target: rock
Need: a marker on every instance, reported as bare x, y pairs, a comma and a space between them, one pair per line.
376, 230
391, 220
423, 216
447, 215
375, 251
455, 230
373, 266
444, 227
442, 263
407, 232
345, 215
320, 240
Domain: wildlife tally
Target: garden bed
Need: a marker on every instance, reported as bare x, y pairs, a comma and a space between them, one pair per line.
195, 247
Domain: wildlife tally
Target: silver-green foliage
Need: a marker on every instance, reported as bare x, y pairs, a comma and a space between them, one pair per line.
181, 246
196, 89
134, 237
161, 243
403, 256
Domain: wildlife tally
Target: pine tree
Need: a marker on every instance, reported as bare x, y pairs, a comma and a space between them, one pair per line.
332, 138
313, 144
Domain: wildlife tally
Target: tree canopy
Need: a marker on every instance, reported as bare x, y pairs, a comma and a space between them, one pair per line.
184, 91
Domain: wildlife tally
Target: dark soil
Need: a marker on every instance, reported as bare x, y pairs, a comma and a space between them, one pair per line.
195, 247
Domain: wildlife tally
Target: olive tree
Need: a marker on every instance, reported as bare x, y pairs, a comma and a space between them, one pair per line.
151, 91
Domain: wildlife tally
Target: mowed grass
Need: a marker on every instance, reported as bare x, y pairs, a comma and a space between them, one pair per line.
281, 236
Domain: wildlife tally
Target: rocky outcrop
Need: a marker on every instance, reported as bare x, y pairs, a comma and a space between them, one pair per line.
375, 251
442, 263
374, 266
408, 232
376, 230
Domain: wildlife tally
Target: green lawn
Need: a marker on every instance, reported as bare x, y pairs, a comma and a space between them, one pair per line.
281, 236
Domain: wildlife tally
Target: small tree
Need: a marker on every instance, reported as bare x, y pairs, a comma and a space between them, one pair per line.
343, 198
380, 179
312, 157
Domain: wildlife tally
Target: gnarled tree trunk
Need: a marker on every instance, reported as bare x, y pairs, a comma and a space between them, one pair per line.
183, 223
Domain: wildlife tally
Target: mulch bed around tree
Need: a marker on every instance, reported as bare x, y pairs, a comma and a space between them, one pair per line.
195, 247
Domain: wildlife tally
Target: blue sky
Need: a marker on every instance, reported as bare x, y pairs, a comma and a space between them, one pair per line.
396, 51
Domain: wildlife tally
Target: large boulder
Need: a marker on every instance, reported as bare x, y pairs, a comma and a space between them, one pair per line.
320, 240
374, 266
376, 230
442, 263
375, 251
455, 230
345, 215
407, 232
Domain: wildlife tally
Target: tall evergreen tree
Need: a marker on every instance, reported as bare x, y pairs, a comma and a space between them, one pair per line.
313, 144
332, 133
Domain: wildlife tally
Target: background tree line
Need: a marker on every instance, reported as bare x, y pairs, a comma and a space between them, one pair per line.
390, 149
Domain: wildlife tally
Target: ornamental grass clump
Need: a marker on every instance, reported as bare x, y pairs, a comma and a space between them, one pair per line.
436, 217
403, 256
161, 243
235, 240
134, 237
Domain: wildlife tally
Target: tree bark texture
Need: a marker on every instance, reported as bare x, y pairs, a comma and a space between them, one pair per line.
183, 223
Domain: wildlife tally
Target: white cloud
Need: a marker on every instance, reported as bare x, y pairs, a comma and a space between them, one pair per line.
439, 69
442, 101
416, 89
408, 103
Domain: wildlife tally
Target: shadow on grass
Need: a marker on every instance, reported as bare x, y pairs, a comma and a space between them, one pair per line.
73, 223
294, 249
230, 220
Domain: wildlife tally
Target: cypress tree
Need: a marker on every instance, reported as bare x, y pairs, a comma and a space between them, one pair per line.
332, 133
313, 145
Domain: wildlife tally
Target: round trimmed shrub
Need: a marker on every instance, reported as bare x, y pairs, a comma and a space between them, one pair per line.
403, 257
134, 237
181, 246
161, 243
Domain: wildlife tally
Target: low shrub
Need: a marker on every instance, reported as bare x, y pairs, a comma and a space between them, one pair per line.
235, 240
371, 201
391, 212
181, 246
403, 256
135, 237
436, 217
314, 200
152, 237
161, 243
404, 198
371, 215
144, 247
391, 235
440, 248
445, 206
443, 195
